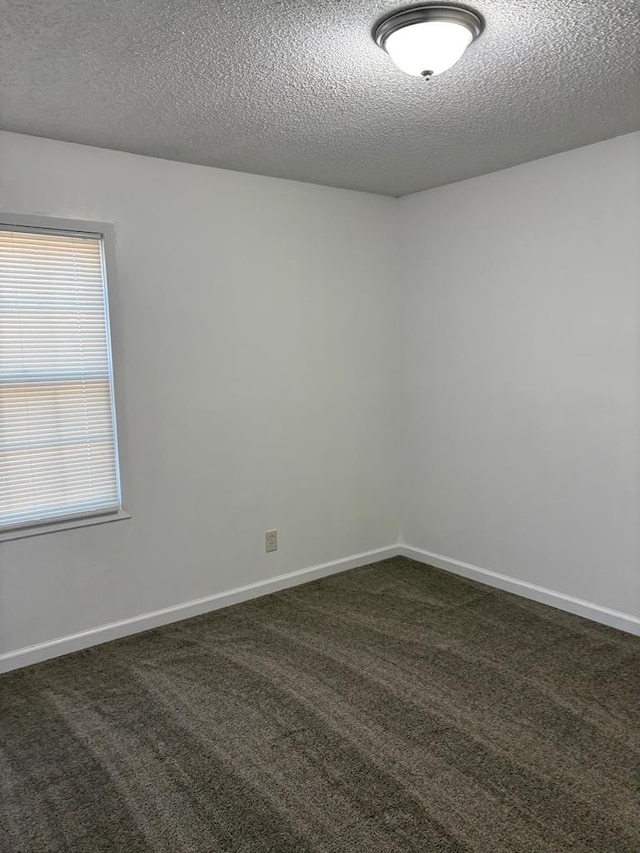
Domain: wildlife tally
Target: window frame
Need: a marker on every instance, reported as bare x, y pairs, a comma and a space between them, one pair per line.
105, 230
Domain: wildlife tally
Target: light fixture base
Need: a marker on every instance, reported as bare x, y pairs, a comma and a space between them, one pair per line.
421, 14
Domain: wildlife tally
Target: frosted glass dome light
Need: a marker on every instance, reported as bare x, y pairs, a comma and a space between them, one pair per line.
426, 40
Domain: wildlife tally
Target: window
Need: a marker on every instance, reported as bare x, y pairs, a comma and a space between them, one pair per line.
58, 449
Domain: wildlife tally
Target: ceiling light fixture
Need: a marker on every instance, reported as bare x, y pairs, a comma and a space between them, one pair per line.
426, 40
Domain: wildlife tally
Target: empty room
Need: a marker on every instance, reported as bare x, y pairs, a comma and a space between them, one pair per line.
319, 426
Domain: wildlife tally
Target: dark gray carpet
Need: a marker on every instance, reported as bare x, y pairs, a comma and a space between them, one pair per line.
391, 708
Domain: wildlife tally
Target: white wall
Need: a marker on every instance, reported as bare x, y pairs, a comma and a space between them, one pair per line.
253, 323
276, 369
520, 381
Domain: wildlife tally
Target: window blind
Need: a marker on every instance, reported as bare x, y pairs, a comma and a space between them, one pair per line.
58, 456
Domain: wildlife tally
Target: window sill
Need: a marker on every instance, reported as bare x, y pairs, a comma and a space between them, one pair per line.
55, 526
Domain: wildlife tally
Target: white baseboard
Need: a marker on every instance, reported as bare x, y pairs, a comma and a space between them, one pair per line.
595, 612
145, 621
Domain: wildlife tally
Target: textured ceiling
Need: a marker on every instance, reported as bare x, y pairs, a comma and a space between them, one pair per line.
298, 89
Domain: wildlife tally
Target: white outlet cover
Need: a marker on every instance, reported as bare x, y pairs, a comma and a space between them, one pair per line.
271, 541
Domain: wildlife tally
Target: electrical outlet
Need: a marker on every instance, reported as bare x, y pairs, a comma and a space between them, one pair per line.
271, 541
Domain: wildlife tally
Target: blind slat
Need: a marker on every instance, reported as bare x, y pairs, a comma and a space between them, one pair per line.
58, 456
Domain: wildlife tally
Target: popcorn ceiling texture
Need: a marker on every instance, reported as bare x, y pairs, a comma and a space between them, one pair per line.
298, 89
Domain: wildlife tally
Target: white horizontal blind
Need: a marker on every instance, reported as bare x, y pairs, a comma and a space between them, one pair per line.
58, 456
